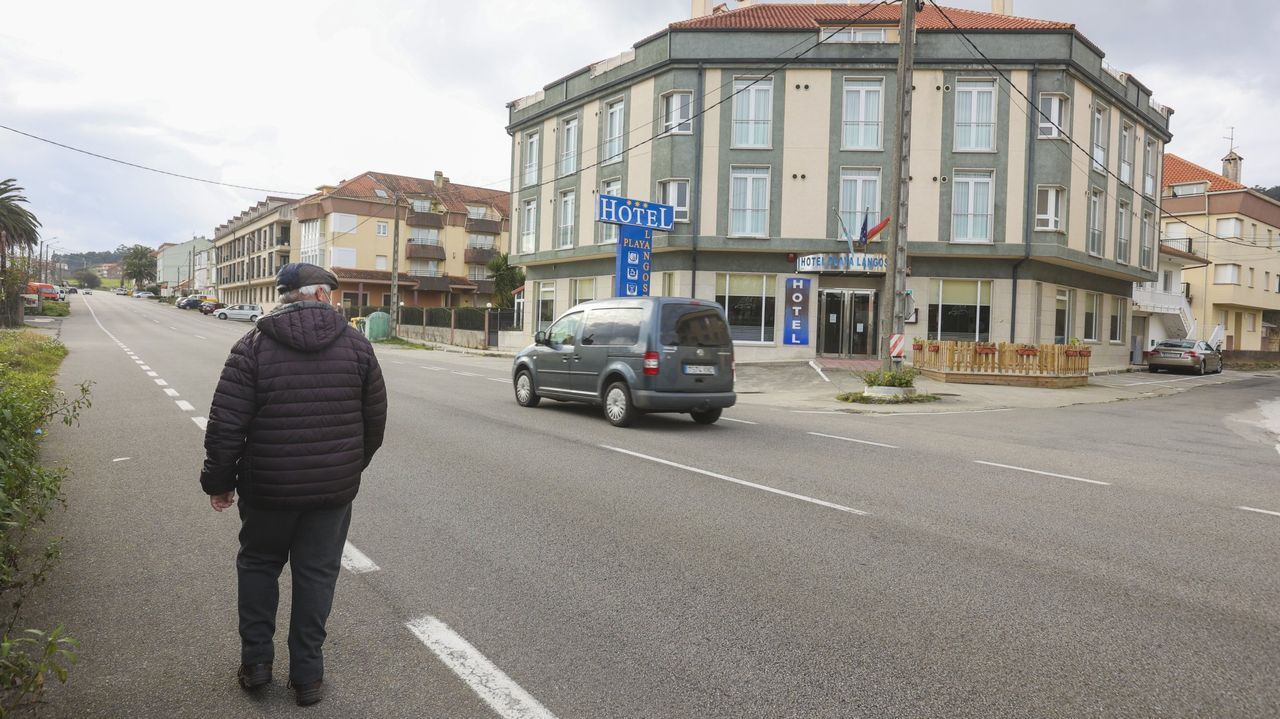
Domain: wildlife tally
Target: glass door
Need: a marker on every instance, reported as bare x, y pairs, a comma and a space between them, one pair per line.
831, 321
847, 323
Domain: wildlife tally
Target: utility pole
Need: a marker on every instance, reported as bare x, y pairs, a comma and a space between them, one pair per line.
893, 309
395, 266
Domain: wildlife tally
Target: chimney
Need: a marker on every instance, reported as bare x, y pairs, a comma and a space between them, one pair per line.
1002, 7
1231, 166
700, 8
440, 179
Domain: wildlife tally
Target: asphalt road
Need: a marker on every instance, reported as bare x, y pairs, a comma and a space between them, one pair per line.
1086, 561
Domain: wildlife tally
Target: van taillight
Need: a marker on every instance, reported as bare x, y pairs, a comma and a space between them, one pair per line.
650, 363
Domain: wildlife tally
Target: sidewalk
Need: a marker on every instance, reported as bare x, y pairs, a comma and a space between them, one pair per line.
804, 387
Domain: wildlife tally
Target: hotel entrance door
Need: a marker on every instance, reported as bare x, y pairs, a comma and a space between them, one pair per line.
846, 323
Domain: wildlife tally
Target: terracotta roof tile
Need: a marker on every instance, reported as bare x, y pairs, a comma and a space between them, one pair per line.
381, 276
810, 16
455, 197
1178, 171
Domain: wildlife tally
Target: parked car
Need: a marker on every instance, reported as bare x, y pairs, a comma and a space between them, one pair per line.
72, 291
145, 295
1195, 355
88, 292
121, 291
240, 312
208, 308
633, 355
187, 303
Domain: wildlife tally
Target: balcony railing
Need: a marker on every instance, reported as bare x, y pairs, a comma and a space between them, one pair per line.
486, 226
479, 255
421, 251
1174, 304
425, 219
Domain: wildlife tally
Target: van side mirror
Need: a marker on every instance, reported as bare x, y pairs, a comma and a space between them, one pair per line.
540, 338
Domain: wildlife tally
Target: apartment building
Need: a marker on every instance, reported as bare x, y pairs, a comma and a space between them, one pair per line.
448, 233
1162, 308
250, 248
1018, 222
175, 264
1236, 229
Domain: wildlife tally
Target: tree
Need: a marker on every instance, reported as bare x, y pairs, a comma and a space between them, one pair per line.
1272, 192
88, 279
138, 264
19, 232
506, 277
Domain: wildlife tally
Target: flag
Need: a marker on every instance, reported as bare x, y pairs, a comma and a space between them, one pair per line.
844, 232
868, 235
862, 236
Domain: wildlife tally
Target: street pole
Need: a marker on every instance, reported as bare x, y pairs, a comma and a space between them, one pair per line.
395, 266
893, 311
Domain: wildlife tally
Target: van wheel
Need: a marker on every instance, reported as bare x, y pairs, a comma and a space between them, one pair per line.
617, 405
707, 416
525, 394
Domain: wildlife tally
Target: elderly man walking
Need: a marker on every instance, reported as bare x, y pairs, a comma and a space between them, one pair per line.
298, 414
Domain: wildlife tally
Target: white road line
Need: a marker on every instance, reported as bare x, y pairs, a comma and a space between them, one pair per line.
851, 439
1036, 471
162, 383
357, 561
156, 321
153, 373
815, 411
922, 414
173, 328
138, 361
1161, 381
184, 405
143, 367
743, 482
489, 683
495, 379
1259, 511
121, 459
171, 392
201, 422
200, 337
739, 421
466, 374
394, 362
818, 369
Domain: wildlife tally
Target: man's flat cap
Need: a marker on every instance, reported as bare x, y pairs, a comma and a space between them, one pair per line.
301, 274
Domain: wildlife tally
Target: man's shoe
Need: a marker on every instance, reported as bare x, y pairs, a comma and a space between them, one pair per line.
309, 693
254, 676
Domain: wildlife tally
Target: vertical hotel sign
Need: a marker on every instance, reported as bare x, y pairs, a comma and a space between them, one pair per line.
636, 220
796, 330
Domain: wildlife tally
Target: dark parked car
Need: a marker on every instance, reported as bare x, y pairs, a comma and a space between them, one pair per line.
208, 308
187, 303
633, 355
1195, 355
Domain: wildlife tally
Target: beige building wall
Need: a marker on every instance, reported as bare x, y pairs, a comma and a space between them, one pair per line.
1212, 302
589, 185
641, 127
547, 190
707, 215
926, 156
1015, 197
806, 151
1081, 109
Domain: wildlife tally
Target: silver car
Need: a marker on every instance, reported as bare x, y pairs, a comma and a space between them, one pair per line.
1195, 355
240, 312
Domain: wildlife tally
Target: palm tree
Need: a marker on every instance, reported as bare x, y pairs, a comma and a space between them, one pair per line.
138, 264
506, 277
19, 232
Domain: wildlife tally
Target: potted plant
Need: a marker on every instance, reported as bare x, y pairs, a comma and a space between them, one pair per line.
985, 348
934, 345
1025, 350
1076, 349
917, 344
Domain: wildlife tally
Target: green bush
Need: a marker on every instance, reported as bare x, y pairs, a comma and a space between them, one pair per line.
29, 401
905, 377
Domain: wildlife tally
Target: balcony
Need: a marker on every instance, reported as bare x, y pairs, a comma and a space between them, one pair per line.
423, 251
479, 255
480, 225
1173, 308
433, 281
483, 287
425, 219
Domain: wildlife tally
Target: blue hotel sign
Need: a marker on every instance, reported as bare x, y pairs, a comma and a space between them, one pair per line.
796, 330
636, 220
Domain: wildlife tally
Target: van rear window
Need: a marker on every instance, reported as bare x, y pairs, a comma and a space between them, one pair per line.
614, 327
693, 326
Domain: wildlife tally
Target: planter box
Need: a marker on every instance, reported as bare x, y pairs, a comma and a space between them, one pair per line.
917, 347
985, 350
889, 392
934, 348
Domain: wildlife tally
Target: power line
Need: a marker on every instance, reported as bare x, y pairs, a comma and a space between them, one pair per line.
1030, 104
148, 169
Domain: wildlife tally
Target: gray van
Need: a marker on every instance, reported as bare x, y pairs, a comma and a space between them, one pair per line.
633, 355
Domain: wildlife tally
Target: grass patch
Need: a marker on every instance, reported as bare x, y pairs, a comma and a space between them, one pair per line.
53, 308
27, 352
860, 398
403, 344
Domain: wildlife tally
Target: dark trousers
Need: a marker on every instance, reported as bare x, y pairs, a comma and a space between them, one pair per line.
311, 541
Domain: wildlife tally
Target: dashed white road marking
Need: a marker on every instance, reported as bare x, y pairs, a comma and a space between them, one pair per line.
162, 383
184, 405
200, 337
153, 373
201, 422
143, 367
466, 374
954, 411
489, 683
851, 439
739, 421
1037, 471
156, 321
173, 328
495, 379
394, 362
433, 369
1259, 511
357, 561
743, 482
121, 459
138, 361
171, 392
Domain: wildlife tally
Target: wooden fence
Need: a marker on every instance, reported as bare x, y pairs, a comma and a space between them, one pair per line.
1007, 359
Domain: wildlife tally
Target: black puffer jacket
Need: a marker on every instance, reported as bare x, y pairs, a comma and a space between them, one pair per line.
298, 413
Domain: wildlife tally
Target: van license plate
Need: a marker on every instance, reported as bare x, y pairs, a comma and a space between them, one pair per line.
699, 369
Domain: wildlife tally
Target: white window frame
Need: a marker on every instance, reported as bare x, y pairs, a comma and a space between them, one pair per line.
477, 272
977, 89
669, 194
1229, 227
615, 109
566, 218
973, 178
546, 291
1124, 225
529, 226
424, 236
532, 148
1092, 301
1097, 235
854, 132
852, 217
750, 174
381, 229
677, 117
1231, 276
853, 35
569, 145
1148, 168
1100, 125
745, 92
608, 230
1119, 324
1146, 247
1127, 132
576, 296
1055, 126
1051, 221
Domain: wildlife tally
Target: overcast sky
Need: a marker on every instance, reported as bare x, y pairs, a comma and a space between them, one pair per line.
288, 95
